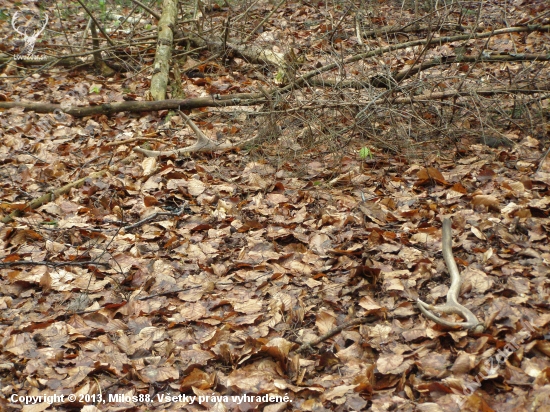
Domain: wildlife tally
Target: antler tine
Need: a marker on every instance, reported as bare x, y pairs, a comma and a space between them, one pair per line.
202, 138
452, 306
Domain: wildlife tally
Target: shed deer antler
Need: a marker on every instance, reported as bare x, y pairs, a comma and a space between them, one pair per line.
452, 306
203, 143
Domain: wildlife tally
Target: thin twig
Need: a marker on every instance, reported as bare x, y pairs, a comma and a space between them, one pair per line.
541, 162
331, 333
149, 10
149, 218
96, 23
51, 264
260, 24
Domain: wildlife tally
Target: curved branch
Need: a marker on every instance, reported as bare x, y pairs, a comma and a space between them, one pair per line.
452, 306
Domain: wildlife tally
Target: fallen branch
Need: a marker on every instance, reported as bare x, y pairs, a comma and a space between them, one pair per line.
240, 99
445, 60
452, 306
252, 99
48, 197
413, 28
51, 264
387, 49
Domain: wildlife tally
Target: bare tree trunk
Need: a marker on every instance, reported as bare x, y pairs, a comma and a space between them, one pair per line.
167, 22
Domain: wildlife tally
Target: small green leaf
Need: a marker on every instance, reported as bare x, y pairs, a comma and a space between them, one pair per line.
280, 76
96, 88
365, 152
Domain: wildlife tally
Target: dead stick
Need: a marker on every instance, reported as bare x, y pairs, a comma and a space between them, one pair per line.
51, 264
331, 333
48, 197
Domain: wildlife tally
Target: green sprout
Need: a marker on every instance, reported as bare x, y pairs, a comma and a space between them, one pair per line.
280, 76
96, 88
365, 152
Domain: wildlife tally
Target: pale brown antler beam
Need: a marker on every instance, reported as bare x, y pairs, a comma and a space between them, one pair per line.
452, 306
203, 143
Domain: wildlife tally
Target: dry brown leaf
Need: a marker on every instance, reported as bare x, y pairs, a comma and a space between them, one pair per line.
325, 322
195, 187
389, 363
489, 201
429, 175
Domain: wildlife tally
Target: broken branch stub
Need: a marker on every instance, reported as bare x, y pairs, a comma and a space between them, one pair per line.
452, 306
